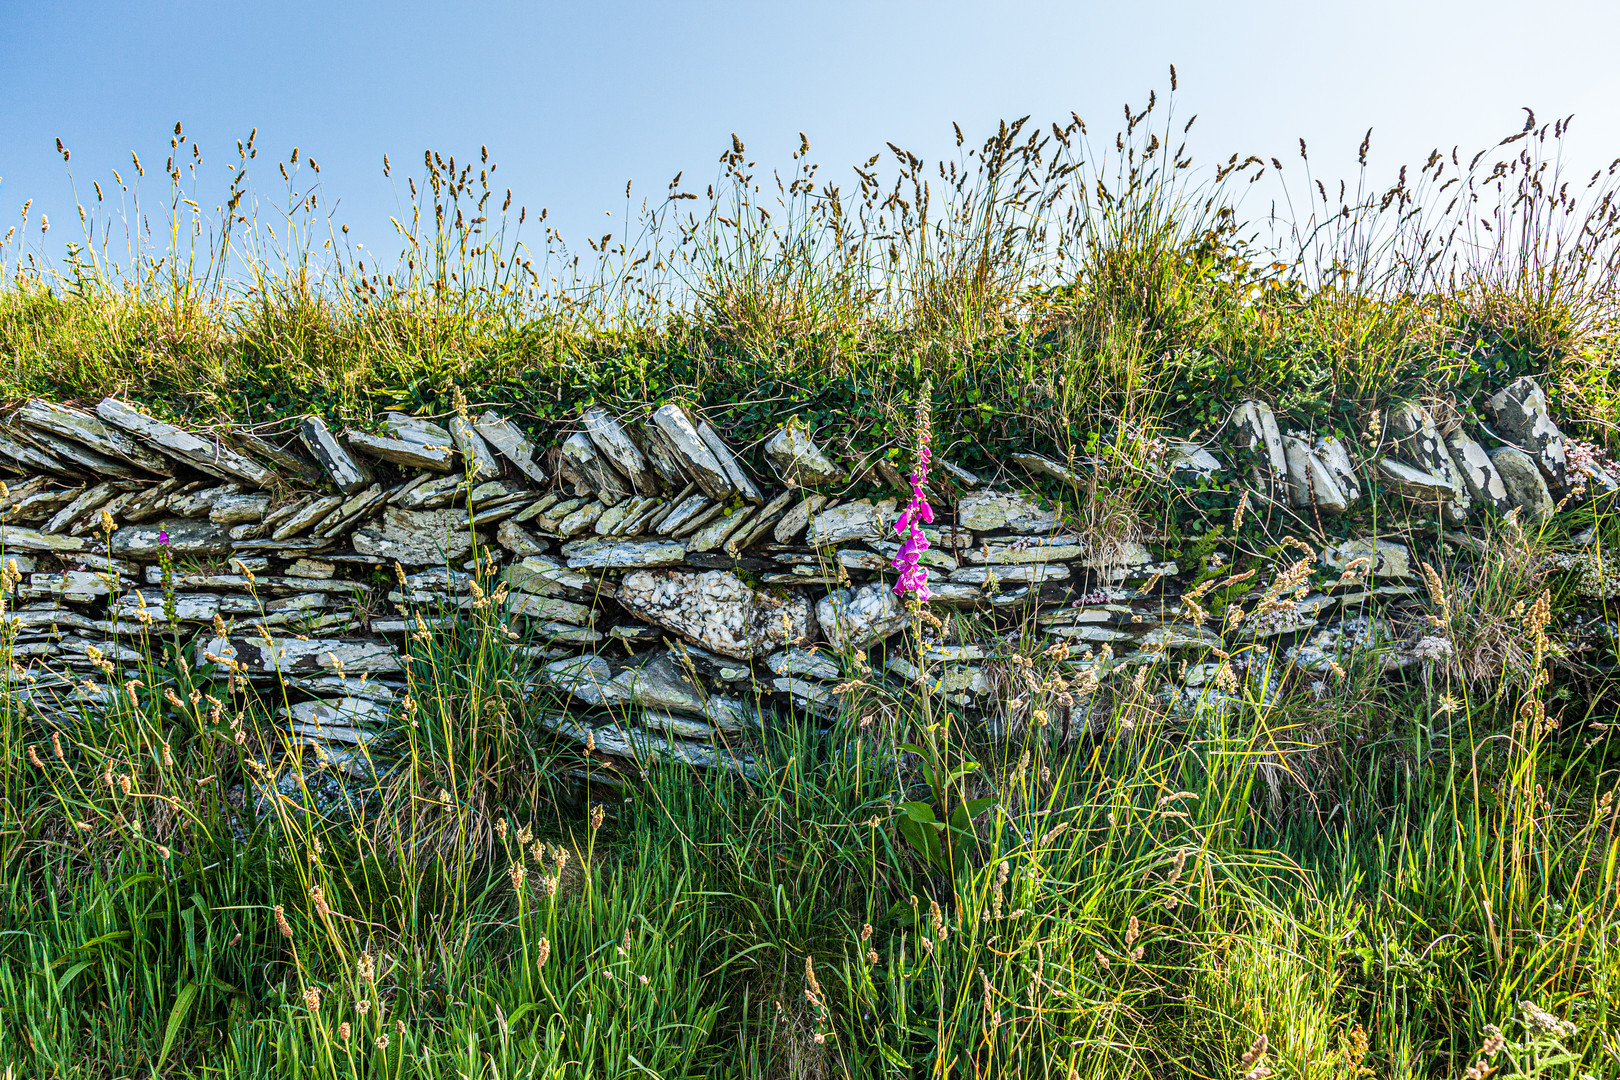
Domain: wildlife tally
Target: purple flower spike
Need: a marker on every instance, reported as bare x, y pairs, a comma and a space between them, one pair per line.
163, 537
908, 560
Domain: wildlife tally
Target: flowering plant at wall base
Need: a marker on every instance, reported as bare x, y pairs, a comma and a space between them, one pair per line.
908, 560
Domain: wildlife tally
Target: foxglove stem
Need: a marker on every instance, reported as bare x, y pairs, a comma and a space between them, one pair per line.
908, 560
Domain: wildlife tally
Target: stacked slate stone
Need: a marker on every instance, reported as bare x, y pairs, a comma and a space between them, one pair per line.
668, 596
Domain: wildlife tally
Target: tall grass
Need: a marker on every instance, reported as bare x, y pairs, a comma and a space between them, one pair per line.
1347, 879
1041, 276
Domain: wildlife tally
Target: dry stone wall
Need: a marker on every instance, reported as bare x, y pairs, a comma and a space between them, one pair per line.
675, 598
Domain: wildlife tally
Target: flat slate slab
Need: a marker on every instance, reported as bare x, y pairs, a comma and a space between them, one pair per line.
204, 455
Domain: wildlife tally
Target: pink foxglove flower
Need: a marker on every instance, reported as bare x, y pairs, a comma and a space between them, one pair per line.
908, 560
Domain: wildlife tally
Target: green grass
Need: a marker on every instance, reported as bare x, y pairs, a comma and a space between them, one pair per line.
1357, 878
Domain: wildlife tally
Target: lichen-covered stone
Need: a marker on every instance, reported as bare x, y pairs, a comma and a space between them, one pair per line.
615, 445
675, 430
206, 455
1369, 558
798, 460
1524, 483
595, 474
1310, 483
508, 439
347, 473
1261, 441
287, 655
717, 610
857, 618
1519, 415
1477, 472
416, 537
989, 511
181, 537
608, 554
850, 521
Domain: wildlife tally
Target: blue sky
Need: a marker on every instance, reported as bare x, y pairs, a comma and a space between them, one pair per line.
574, 99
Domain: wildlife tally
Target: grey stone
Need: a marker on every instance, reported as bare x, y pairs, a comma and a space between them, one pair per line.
609, 554
763, 522
615, 445
419, 430
686, 510
239, 509
1422, 487
286, 459
186, 539
550, 607
988, 511
289, 655
1047, 467
516, 539
811, 662
715, 533
29, 458
416, 537
1029, 550
639, 745
1519, 415
595, 473
1176, 636
716, 610
352, 720
1476, 471
621, 513
659, 683
1523, 481
306, 516
68, 457
728, 462
580, 519
1309, 481
150, 502
88, 430
412, 455
17, 538
431, 493
1028, 572
1336, 457
348, 474
857, 618
664, 462
588, 678
311, 568
205, 455
353, 510
198, 501
88, 500
696, 522
1373, 558
797, 517
819, 699
849, 521
42, 505
70, 586
513, 445
1258, 435
480, 462
1190, 460
671, 426
861, 559
961, 476
952, 594
798, 460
